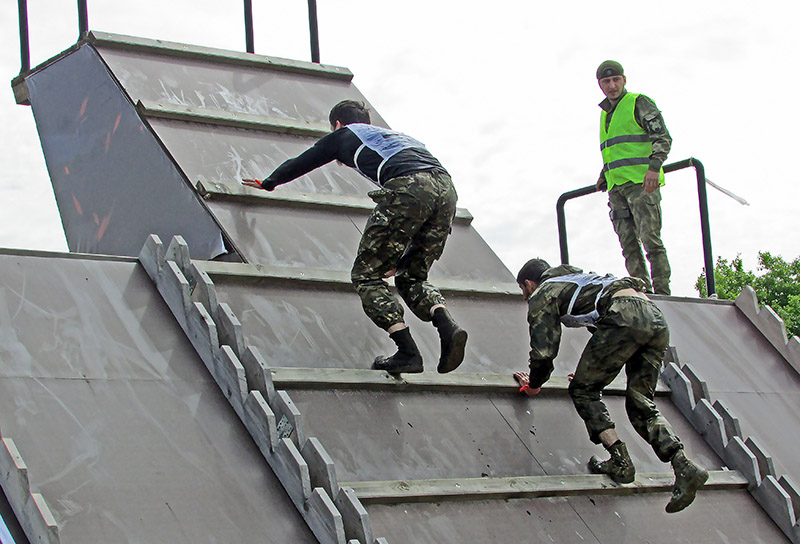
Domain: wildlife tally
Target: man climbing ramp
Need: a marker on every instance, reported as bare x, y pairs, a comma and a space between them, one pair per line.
628, 330
404, 235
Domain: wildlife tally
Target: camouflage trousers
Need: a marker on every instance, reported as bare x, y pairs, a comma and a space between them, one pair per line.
406, 232
636, 217
633, 333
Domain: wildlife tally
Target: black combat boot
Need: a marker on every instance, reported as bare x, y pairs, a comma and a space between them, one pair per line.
453, 340
689, 477
619, 466
407, 359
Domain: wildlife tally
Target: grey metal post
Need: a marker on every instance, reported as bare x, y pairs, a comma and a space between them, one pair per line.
24, 43
248, 26
83, 19
313, 30
705, 226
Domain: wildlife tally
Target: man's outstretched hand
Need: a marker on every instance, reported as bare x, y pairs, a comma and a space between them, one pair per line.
256, 184
523, 379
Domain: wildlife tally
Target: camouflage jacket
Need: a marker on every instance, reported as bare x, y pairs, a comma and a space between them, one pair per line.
550, 302
648, 116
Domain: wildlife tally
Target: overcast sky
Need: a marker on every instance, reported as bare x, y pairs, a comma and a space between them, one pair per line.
504, 93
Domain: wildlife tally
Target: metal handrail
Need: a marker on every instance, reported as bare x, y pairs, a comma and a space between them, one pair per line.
83, 29
702, 197
313, 30
248, 27
83, 19
24, 41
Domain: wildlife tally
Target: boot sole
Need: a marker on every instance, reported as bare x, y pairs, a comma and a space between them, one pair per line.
688, 497
406, 369
593, 465
456, 355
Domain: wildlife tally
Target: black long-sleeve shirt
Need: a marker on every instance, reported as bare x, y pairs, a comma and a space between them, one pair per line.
343, 145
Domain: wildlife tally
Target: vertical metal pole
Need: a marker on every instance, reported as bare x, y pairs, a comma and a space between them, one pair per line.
248, 26
314, 30
83, 19
562, 233
705, 227
562, 218
24, 42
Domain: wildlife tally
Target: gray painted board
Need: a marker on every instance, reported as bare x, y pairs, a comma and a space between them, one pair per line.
124, 432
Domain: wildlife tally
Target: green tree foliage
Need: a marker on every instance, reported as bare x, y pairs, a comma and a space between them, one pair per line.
776, 283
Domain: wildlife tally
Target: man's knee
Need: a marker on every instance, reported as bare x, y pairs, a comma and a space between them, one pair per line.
581, 395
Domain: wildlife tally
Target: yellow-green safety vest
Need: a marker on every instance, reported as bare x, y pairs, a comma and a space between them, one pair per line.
625, 146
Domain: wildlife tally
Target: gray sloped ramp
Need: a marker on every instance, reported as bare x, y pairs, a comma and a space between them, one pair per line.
741, 369
124, 434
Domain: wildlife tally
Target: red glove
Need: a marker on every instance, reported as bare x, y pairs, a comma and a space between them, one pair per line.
523, 379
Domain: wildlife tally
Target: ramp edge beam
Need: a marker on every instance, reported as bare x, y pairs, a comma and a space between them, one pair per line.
231, 119
339, 278
457, 382
174, 49
475, 489
33, 514
276, 424
287, 197
778, 497
770, 325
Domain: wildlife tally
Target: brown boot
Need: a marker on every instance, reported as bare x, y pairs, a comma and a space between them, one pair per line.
619, 466
407, 359
689, 477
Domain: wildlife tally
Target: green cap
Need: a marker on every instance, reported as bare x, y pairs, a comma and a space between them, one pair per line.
609, 68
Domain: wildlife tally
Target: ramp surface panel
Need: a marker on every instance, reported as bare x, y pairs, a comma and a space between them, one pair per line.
222, 154
296, 325
262, 231
598, 519
292, 237
223, 86
317, 239
744, 371
124, 433
113, 183
419, 435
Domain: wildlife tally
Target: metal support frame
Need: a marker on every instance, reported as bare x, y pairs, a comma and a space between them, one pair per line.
248, 26
83, 29
313, 30
704, 222
24, 41
83, 19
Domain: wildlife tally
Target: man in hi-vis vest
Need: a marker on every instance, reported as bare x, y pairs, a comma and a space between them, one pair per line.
634, 142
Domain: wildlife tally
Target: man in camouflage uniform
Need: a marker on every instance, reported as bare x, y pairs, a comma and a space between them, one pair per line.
634, 142
404, 235
628, 330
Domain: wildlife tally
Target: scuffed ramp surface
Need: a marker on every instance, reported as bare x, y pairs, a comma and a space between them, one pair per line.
606, 520
298, 325
744, 371
124, 432
426, 435
222, 119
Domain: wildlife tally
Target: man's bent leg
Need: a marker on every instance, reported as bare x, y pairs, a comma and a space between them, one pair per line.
427, 245
387, 235
622, 217
647, 216
601, 361
641, 408
422, 297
